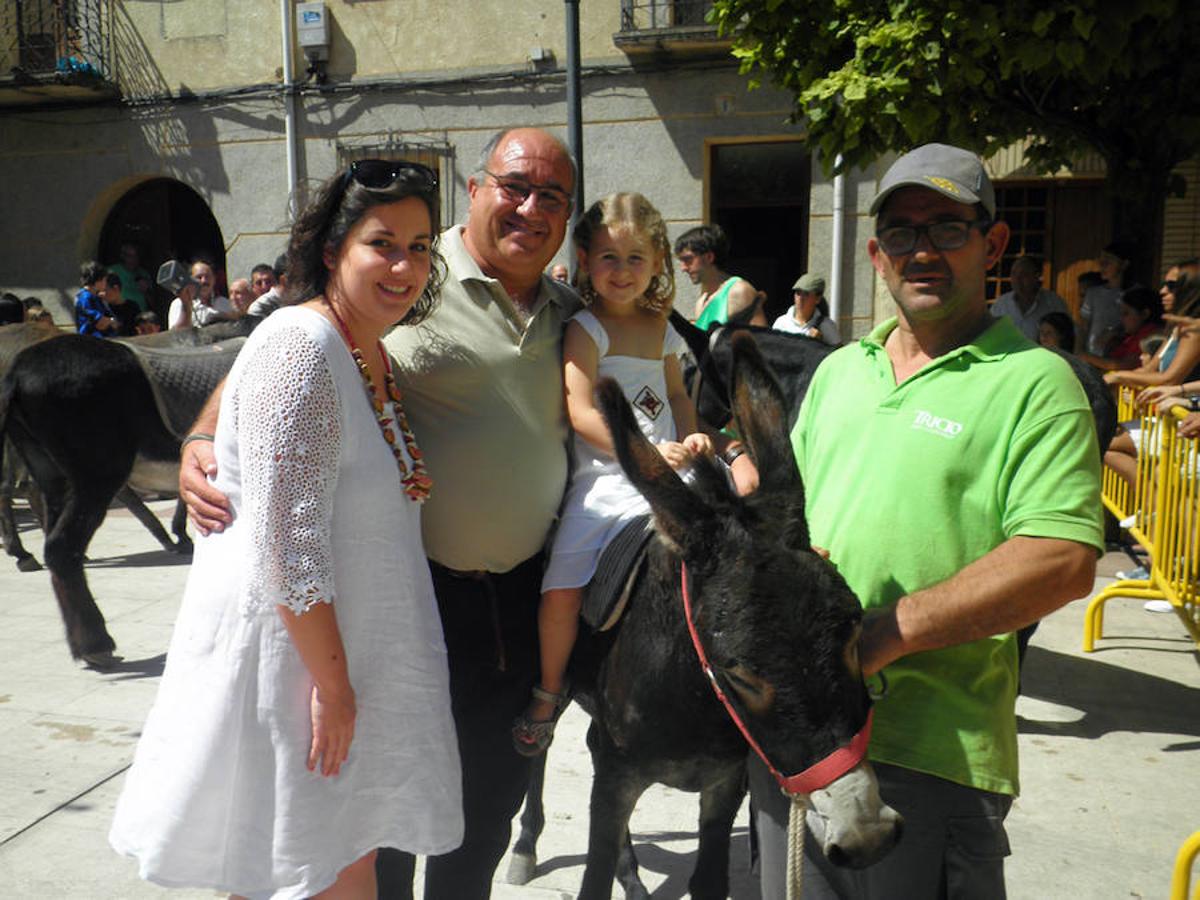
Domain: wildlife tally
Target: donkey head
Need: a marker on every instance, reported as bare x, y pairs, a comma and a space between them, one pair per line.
778, 624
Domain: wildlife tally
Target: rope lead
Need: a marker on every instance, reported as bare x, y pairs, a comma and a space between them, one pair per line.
795, 863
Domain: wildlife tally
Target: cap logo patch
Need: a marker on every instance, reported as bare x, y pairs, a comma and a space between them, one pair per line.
943, 183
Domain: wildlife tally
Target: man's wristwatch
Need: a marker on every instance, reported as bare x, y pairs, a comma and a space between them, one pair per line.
1194, 402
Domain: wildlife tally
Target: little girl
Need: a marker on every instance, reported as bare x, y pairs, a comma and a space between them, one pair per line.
628, 284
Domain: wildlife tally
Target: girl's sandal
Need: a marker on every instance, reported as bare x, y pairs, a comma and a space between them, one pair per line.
531, 737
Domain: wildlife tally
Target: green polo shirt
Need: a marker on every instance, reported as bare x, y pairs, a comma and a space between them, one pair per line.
907, 484
483, 392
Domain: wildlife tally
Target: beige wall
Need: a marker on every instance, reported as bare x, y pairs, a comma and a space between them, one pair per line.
212, 44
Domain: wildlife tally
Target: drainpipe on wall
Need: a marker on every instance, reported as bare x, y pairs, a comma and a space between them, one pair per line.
574, 109
839, 241
289, 107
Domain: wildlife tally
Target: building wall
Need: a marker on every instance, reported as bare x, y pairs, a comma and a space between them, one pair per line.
644, 131
213, 44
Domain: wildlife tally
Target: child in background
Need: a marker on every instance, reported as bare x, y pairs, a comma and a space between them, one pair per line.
627, 281
1057, 331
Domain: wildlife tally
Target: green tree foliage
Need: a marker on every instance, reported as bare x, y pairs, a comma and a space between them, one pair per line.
871, 76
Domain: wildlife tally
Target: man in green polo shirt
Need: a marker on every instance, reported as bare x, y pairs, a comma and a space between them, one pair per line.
951, 471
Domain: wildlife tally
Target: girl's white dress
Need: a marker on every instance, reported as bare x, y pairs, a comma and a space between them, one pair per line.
218, 795
600, 500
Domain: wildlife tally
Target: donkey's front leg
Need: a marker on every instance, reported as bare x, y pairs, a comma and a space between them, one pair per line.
615, 791
719, 804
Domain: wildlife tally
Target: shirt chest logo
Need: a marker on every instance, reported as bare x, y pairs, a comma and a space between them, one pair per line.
648, 402
942, 427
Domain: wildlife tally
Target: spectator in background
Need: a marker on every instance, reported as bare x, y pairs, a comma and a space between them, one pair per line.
1100, 312
262, 279
702, 254
207, 307
1028, 302
1141, 316
809, 315
39, 314
12, 311
92, 315
241, 295
1178, 359
1088, 280
147, 323
136, 284
1057, 332
123, 311
559, 272
273, 298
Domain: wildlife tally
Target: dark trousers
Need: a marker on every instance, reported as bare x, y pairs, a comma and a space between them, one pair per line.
490, 623
953, 846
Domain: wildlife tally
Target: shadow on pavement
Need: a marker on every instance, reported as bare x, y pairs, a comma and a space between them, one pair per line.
133, 669
653, 856
146, 559
1111, 698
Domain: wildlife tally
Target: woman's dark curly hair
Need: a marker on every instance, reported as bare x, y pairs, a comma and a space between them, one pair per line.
335, 209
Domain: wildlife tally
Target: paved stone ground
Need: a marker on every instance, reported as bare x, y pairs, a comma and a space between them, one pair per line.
1110, 747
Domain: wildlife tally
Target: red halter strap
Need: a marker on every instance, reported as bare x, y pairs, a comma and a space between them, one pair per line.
821, 773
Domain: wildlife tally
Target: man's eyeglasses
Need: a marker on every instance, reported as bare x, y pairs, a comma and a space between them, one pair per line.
517, 190
1172, 285
377, 174
900, 240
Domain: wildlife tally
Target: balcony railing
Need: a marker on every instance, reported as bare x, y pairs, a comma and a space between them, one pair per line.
649, 15
44, 42
675, 26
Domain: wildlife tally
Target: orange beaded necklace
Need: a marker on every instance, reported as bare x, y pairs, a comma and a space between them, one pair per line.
417, 483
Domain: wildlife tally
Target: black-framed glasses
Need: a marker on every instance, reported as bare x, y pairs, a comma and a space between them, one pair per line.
377, 174
517, 190
900, 240
1172, 284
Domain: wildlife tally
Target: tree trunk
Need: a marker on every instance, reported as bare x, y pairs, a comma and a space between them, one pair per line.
1138, 195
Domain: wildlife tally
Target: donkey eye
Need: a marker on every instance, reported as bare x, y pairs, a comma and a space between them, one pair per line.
757, 693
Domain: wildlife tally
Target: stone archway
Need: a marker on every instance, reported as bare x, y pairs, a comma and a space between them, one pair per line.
167, 220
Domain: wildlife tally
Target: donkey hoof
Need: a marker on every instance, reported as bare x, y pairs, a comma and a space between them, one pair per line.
28, 564
521, 868
102, 660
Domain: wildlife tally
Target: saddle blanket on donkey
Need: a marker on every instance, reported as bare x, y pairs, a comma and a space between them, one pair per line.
182, 378
622, 560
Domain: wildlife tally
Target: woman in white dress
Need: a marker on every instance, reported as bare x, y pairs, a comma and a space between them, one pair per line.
303, 718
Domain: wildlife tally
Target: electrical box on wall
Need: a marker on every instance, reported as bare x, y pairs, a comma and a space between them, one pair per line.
312, 29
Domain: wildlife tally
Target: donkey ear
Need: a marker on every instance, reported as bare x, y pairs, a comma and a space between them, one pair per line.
680, 513
760, 410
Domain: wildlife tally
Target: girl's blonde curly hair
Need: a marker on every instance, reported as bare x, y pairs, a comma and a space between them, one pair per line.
632, 212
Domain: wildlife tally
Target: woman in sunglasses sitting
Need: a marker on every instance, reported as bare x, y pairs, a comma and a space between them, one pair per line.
303, 718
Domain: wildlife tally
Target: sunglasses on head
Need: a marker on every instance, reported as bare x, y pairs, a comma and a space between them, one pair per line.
378, 174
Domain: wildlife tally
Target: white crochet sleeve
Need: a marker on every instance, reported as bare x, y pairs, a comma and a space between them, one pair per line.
289, 437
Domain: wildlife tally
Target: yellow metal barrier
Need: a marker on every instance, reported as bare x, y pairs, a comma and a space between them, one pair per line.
1168, 527
1183, 869
1115, 491
1122, 500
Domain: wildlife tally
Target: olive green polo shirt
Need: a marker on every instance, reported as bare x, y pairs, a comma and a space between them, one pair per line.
484, 397
908, 483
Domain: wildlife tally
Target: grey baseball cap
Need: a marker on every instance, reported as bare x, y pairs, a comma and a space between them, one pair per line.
810, 282
951, 171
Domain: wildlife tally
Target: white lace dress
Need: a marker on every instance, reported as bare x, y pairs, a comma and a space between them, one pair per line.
600, 500
218, 795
